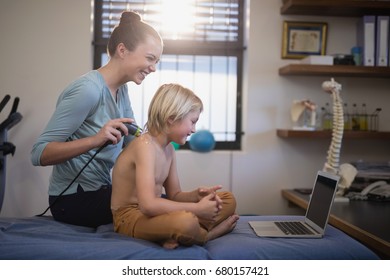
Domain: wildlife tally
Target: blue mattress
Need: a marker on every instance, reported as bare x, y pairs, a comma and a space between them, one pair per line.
45, 239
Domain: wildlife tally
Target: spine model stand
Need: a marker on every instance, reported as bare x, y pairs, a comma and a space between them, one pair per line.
346, 171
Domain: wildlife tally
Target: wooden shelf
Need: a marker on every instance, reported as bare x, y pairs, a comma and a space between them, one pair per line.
334, 70
352, 8
355, 219
345, 8
289, 133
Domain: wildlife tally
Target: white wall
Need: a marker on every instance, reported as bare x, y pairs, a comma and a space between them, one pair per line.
46, 44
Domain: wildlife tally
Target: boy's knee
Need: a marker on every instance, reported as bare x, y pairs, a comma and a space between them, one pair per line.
226, 196
228, 200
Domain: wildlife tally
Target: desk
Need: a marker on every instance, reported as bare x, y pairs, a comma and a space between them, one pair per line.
366, 221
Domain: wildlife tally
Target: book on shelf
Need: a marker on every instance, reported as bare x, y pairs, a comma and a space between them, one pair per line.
317, 60
382, 41
366, 39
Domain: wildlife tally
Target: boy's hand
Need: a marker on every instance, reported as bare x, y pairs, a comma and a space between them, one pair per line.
208, 207
204, 191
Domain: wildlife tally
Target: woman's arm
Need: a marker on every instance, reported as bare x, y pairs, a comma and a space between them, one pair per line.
57, 152
57, 142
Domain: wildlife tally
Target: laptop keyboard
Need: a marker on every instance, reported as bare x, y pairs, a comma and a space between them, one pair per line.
293, 228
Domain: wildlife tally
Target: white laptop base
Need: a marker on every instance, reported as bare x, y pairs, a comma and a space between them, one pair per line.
270, 229
317, 213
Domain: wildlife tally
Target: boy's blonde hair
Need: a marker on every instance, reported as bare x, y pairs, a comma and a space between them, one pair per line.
171, 102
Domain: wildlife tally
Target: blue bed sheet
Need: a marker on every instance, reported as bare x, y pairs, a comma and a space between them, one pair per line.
45, 239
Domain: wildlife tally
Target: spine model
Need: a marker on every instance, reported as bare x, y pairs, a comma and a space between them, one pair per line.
333, 159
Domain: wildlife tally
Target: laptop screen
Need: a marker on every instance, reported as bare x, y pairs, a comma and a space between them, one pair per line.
321, 198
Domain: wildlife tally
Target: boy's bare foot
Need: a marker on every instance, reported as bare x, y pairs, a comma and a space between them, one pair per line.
226, 226
170, 244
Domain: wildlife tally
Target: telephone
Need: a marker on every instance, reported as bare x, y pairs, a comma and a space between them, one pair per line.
379, 191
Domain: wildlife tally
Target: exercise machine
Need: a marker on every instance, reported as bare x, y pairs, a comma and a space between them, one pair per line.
7, 148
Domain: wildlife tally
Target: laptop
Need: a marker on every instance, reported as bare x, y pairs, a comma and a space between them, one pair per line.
317, 213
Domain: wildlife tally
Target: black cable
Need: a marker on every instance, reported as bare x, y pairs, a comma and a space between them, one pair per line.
74, 179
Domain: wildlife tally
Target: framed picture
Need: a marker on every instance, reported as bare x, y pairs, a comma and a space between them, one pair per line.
303, 38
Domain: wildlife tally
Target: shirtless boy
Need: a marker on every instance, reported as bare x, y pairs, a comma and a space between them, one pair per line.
146, 169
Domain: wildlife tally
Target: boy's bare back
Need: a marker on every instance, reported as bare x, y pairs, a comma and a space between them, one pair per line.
144, 162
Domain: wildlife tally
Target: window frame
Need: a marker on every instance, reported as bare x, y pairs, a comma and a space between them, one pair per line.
187, 47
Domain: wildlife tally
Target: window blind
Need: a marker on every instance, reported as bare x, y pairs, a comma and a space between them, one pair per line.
211, 21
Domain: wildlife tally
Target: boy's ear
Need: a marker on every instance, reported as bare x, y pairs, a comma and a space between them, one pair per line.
171, 120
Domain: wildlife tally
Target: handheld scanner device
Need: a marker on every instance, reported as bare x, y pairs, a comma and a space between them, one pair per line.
133, 129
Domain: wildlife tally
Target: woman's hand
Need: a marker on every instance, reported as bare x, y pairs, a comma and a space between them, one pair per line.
112, 131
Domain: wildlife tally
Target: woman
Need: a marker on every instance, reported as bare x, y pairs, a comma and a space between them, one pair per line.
89, 113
